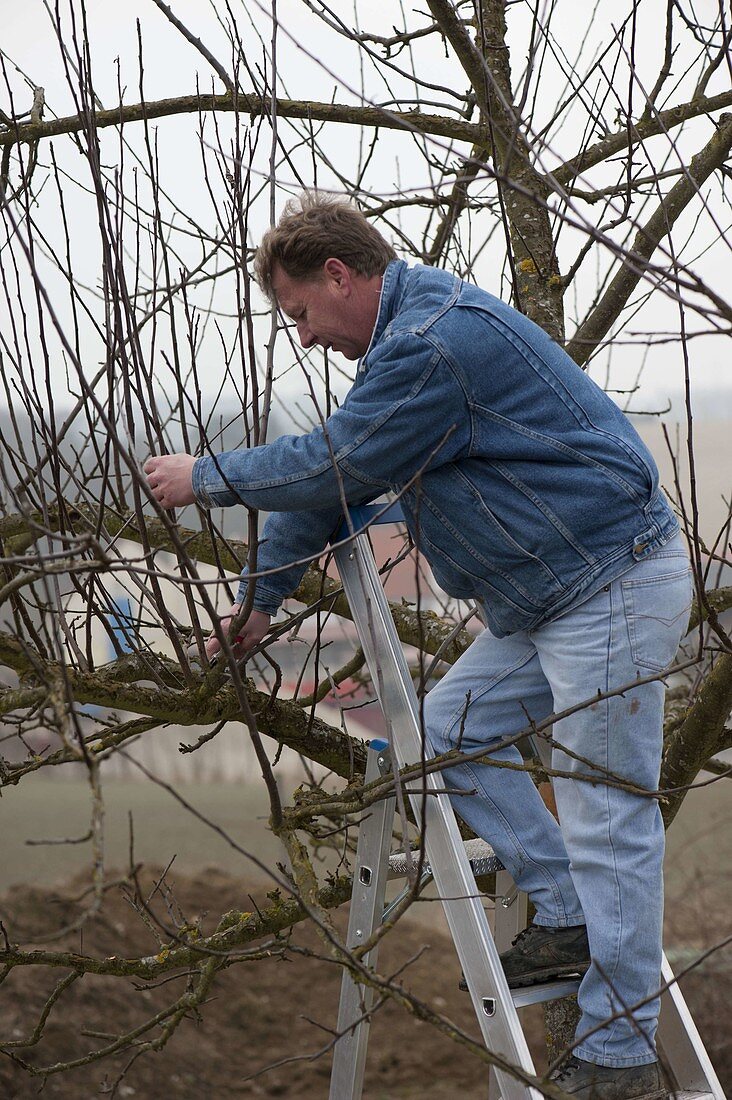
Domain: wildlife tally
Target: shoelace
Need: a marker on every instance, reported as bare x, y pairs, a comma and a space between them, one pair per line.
567, 1070
524, 934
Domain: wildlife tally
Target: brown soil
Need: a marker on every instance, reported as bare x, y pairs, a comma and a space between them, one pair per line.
259, 1014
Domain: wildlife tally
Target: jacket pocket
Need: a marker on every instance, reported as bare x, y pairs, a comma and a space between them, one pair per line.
657, 614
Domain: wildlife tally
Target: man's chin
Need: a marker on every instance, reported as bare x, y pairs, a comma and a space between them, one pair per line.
352, 353
348, 353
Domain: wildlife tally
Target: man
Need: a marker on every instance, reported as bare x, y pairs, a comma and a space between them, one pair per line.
529, 492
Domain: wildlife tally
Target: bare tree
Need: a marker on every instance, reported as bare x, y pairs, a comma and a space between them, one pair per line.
582, 176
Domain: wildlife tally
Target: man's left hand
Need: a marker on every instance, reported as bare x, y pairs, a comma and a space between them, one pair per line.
169, 478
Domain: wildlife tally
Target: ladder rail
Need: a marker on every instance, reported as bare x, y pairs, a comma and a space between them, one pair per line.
681, 1044
367, 906
491, 998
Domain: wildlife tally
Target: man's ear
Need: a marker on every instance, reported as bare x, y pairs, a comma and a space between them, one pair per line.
339, 275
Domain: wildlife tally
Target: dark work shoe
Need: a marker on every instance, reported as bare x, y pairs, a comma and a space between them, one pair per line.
591, 1082
543, 954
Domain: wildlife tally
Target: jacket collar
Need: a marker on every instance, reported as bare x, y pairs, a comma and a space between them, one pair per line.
392, 288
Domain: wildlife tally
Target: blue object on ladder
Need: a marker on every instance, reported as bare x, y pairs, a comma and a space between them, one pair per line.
363, 515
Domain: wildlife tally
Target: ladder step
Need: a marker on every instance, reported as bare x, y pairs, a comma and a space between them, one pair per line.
545, 991
483, 860
691, 1095
540, 992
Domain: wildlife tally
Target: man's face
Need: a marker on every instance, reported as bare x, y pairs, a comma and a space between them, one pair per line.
336, 311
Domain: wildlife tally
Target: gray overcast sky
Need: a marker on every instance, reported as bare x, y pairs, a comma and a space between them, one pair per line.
311, 68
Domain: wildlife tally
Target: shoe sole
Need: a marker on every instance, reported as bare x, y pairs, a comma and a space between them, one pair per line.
539, 977
657, 1095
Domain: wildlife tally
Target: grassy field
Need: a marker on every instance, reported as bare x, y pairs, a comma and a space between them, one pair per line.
699, 841
162, 828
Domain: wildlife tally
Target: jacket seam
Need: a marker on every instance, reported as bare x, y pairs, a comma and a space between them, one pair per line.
564, 448
479, 560
509, 538
545, 511
580, 414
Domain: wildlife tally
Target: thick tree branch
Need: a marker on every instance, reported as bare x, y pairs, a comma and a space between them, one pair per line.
235, 929
718, 599
661, 123
456, 203
116, 686
597, 325
699, 737
254, 105
438, 125
538, 289
468, 55
424, 629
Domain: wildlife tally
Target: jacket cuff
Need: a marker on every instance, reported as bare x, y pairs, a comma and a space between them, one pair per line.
267, 602
209, 487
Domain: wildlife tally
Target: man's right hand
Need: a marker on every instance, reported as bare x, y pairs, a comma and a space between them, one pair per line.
249, 636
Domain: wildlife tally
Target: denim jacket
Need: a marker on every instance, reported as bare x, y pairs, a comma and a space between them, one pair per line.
522, 483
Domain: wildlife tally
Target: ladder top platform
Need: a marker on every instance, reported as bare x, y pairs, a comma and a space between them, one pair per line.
483, 860
364, 515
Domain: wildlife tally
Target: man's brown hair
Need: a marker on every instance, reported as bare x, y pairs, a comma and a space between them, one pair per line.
312, 228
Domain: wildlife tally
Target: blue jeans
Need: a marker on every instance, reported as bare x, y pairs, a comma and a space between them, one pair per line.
602, 865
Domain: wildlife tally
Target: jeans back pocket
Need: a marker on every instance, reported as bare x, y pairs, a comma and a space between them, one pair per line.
657, 614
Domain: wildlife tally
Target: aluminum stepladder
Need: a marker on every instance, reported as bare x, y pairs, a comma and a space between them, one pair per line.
448, 863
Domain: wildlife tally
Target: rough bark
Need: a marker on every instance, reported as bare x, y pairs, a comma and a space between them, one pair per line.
247, 104
660, 123
537, 287
121, 685
701, 735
